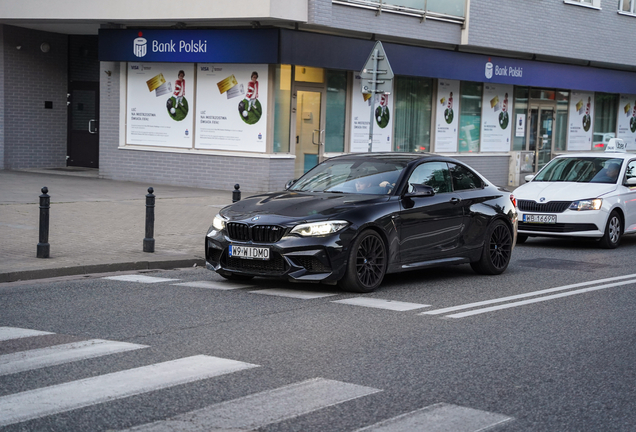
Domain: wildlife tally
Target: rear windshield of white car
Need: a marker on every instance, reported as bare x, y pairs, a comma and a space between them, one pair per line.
581, 170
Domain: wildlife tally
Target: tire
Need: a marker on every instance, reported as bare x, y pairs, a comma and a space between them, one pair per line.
236, 277
521, 238
497, 250
367, 263
613, 231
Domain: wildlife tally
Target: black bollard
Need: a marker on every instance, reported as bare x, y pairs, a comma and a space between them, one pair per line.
149, 242
44, 248
236, 193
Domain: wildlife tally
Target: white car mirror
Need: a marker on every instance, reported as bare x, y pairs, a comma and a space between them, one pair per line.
631, 181
529, 178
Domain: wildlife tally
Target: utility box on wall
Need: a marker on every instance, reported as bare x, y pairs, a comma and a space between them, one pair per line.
521, 164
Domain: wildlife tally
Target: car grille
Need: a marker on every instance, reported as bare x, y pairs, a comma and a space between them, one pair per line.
311, 264
556, 228
256, 233
275, 265
549, 207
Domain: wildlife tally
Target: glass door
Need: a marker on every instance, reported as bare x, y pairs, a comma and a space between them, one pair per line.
540, 134
310, 128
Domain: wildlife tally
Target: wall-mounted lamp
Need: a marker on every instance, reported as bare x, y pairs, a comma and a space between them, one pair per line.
19, 47
45, 47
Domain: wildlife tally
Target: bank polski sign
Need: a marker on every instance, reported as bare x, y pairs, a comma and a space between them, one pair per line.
502, 70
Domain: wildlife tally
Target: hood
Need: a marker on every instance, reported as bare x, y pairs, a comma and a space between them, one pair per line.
561, 191
279, 207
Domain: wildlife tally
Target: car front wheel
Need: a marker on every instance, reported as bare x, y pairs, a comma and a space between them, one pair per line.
495, 256
367, 263
613, 231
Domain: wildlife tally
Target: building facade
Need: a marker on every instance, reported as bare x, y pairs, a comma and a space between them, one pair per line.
211, 95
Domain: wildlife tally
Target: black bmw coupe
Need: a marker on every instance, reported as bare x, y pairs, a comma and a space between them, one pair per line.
352, 219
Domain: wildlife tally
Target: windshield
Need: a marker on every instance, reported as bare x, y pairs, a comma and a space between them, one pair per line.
581, 170
360, 176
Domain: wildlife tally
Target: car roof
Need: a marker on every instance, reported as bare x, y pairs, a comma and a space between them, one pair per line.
608, 155
398, 157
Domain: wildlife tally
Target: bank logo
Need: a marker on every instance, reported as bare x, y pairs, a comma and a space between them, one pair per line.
140, 46
489, 68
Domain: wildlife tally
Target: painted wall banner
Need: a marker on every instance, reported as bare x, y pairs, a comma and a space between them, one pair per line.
447, 116
231, 107
581, 114
383, 120
496, 118
189, 46
159, 104
627, 120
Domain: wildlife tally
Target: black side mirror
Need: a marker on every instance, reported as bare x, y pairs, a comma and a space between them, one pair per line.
419, 190
290, 183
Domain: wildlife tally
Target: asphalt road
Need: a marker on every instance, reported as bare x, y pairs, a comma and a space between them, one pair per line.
547, 346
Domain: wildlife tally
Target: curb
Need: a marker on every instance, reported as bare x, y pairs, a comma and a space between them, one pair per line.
99, 268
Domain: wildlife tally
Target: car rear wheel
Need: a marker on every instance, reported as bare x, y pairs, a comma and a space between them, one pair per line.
613, 231
497, 250
367, 263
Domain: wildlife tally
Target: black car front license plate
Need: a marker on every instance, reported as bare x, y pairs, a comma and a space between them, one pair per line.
249, 252
540, 218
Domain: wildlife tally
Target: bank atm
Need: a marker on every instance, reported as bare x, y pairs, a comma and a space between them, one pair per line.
520, 165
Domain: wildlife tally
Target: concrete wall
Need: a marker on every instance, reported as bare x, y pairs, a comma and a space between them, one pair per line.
34, 137
494, 168
554, 28
258, 174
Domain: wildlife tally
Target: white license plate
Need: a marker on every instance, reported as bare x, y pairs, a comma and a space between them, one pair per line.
249, 252
539, 218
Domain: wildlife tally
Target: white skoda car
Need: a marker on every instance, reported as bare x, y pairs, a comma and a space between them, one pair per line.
581, 195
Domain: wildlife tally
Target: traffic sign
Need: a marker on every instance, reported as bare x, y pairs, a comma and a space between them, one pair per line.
377, 74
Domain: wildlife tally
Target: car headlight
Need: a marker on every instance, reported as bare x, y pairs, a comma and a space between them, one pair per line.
218, 223
319, 228
589, 204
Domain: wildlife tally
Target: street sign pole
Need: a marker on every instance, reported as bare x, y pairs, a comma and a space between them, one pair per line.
374, 87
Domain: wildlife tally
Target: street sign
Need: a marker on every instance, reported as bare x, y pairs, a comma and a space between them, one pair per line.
377, 70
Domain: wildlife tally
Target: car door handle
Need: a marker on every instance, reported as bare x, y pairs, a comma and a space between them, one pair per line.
455, 200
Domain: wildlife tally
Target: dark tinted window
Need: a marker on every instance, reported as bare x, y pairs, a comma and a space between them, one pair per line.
433, 174
463, 178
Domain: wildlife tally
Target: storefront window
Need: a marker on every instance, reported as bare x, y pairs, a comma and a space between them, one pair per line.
282, 108
336, 111
470, 117
412, 120
521, 114
605, 116
309, 74
561, 127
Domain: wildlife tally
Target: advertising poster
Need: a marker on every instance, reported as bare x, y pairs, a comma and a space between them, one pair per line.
158, 104
447, 117
382, 117
581, 113
496, 121
627, 120
231, 107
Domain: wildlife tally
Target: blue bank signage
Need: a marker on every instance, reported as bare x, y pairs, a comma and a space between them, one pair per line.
189, 46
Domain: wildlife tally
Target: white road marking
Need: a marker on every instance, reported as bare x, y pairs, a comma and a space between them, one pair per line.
139, 278
215, 285
537, 300
525, 295
60, 398
381, 304
60, 354
440, 418
8, 333
258, 410
305, 295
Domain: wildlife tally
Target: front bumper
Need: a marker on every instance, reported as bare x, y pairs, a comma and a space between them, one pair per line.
299, 259
588, 223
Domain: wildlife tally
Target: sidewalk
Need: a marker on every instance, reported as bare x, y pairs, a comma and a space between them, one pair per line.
98, 225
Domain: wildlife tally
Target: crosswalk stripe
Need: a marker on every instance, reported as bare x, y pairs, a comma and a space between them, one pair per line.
214, 285
381, 304
139, 278
60, 398
59, 354
305, 295
440, 418
261, 409
8, 333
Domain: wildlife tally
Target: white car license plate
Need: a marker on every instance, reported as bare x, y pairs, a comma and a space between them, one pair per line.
539, 218
249, 252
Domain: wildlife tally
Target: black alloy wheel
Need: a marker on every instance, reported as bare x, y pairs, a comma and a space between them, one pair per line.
367, 263
497, 251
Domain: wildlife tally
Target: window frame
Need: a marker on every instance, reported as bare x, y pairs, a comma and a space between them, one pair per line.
595, 4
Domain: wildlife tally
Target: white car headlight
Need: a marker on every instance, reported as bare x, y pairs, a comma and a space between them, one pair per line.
319, 228
589, 204
218, 223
